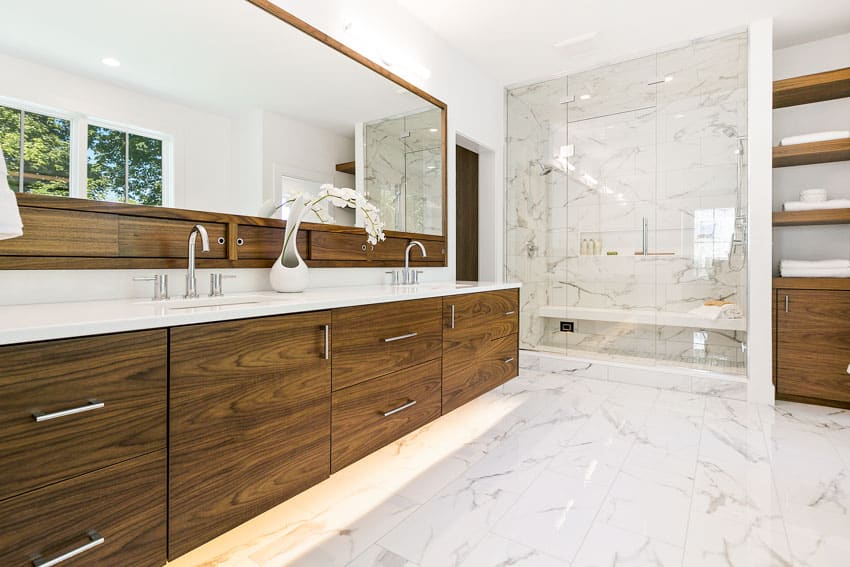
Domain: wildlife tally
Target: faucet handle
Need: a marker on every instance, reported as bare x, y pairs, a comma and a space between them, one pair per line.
216, 289
416, 275
160, 285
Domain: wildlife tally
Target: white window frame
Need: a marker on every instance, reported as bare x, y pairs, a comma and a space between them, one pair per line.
167, 153
78, 167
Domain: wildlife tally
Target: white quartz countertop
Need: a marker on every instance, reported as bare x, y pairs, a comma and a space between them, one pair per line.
46, 321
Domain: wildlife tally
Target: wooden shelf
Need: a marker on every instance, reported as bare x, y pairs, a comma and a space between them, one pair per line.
839, 284
812, 88
813, 152
820, 216
347, 167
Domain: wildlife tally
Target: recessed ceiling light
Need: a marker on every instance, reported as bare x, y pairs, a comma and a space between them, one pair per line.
432, 129
110, 62
575, 40
679, 116
584, 97
668, 78
432, 167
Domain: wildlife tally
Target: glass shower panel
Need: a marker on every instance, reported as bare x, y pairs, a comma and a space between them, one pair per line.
535, 212
423, 191
702, 202
611, 196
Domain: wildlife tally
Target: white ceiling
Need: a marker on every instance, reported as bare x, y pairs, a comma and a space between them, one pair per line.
225, 55
514, 40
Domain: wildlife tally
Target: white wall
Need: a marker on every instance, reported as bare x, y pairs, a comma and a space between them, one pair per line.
760, 168
811, 242
475, 107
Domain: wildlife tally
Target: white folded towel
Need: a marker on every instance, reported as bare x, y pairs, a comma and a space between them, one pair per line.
10, 217
814, 264
814, 137
829, 273
814, 206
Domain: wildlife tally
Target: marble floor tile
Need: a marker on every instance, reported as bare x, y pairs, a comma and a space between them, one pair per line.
607, 546
556, 470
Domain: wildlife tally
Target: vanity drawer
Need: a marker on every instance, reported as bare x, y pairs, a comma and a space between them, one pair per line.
478, 368
125, 372
338, 246
265, 242
373, 340
141, 237
367, 416
492, 313
124, 504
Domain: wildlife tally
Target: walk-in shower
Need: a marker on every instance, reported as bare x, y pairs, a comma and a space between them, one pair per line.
626, 210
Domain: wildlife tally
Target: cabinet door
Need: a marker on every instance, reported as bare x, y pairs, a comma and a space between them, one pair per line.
813, 344
249, 420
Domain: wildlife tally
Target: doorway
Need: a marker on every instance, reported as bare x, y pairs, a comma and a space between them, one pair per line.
466, 214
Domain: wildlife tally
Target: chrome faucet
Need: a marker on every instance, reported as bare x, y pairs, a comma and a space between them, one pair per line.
409, 276
191, 282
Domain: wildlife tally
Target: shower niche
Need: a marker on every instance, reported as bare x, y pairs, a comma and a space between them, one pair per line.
626, 209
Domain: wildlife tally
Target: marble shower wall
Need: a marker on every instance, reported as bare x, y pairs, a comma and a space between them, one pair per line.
651, 138
403, 171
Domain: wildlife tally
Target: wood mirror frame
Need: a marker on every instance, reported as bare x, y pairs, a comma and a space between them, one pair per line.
78, 234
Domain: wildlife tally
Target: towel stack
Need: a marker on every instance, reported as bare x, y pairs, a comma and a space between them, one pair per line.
814, 137
816, 199
814, 269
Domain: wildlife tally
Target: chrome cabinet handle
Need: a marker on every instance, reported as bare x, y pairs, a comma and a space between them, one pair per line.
453, 317
327, 341
95, 539
786, 304
400, 337
93, 404
508, 360
509, 312
409, 404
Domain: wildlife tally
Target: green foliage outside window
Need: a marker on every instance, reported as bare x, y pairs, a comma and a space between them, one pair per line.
47, 151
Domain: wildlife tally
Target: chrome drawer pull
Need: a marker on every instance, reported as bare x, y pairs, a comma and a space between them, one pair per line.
400, 337
409, 404
508, 360
327, 341
92, 405
95, 539
509, 312
453, 316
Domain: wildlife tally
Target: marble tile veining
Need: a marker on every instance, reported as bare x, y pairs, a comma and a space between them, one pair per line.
558, 469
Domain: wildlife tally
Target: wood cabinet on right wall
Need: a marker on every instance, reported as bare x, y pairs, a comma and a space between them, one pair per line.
813, 346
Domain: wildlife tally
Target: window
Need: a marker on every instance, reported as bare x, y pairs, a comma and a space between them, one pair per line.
123, 167
38, 151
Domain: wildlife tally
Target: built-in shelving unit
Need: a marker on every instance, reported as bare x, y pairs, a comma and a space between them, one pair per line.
803, 218
347, 167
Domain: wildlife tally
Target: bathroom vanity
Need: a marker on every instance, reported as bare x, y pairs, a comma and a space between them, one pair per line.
135, 432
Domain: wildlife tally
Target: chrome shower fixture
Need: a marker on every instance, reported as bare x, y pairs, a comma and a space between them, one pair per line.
544, 169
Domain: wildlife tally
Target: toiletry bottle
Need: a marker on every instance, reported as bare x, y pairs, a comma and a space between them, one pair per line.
584, 246
597, 247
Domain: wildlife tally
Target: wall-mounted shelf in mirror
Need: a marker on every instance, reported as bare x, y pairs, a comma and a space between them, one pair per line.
231, 100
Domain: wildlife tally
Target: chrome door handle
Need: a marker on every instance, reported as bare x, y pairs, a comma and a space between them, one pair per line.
403, 407
400, 337
327, 341
508, 360
453, 317
95, 539
93, 404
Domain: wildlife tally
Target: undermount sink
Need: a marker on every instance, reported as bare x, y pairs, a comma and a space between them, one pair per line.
216, 301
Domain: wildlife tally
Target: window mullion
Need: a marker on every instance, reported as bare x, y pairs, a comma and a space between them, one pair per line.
21, 155
126, 167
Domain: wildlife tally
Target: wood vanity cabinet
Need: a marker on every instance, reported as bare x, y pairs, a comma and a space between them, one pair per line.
83, 428
813, 346
249, 420
480, 344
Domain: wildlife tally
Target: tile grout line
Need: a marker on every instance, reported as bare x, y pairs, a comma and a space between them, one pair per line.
694, 483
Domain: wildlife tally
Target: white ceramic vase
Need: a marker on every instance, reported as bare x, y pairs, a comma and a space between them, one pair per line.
290, 274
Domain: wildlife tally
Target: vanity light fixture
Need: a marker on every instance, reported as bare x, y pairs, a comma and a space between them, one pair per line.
110, 62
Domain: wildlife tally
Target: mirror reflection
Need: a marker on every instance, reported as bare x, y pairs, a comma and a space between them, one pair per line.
161, 103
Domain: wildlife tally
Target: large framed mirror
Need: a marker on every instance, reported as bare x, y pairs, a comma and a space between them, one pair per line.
217, 106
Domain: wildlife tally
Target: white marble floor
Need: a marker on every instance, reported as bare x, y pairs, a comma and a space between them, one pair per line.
550, 470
